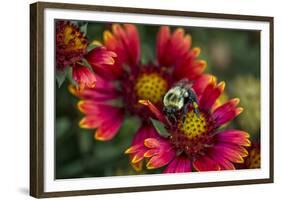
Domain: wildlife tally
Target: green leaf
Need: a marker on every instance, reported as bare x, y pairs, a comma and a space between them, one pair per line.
69, 76
83, 28
60, 76
91, 46
160, 128
87, 64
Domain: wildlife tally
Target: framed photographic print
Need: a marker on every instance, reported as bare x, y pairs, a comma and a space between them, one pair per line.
129, 99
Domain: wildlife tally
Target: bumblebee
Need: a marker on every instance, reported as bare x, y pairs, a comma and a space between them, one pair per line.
178, 100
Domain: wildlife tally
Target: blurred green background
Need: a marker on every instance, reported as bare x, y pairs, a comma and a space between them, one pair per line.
232, 55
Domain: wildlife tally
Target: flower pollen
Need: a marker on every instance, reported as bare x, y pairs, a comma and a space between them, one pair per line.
193, 135
193, 125
151, 86
254, 159
73, 39
71, 44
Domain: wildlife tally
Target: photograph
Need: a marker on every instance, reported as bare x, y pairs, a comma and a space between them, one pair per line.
136, 99
130, 99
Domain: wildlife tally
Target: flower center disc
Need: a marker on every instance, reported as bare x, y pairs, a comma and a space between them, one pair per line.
193, 125
73, 39
254, 159
151, 86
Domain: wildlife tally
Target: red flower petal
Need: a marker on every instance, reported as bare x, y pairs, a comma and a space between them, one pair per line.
83, 76
161, 159
124, 41
109, 128
133, 149
175, 45
121, 36
136, 155
132, 42
144, 132
231, 152
114, 44
96, 117
227, 112
236, 137
176, 42
151, 143
162, 39
103, 91
138, 166
98, 110
102, 62
188, 66
175, 48
154, 110
138, 148
179, 165
90, 122
210, 95
202, 82
223, 162
150, 153
205, 163
100, 56
171, 168
196, 69
162, 153
107, 119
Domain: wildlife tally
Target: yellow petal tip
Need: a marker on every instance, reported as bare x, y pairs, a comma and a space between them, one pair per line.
236, 101
97, 43
221, 85
239, 110
196, 51
144, 102
150, 166
128, 151
99, 137
107, 36
136, 159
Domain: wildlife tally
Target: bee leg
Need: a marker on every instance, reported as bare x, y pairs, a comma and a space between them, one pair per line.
174, 119
185, 110
193, 102
196, 110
